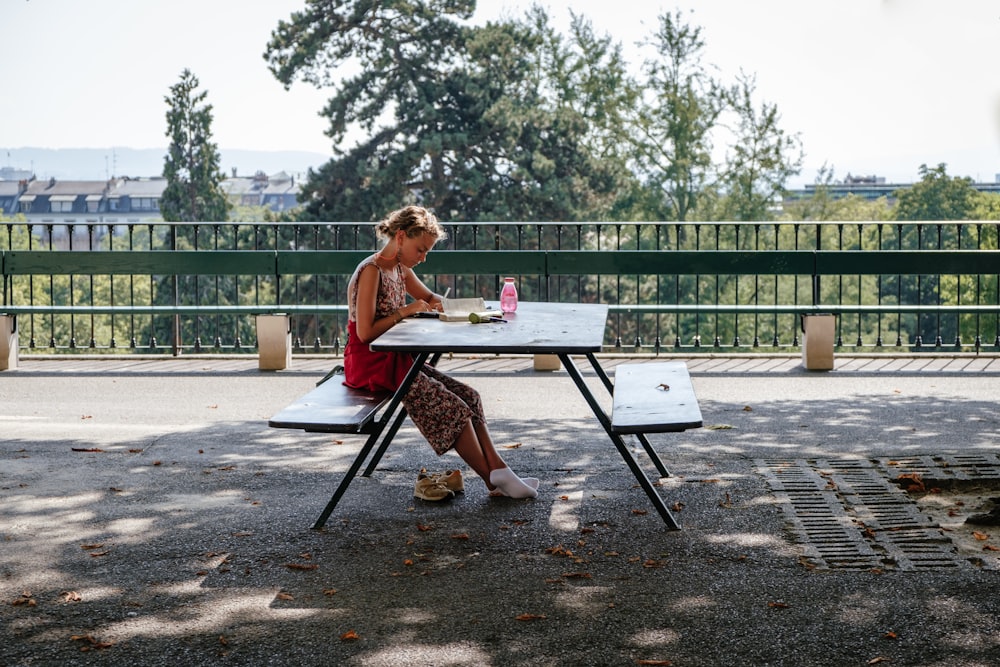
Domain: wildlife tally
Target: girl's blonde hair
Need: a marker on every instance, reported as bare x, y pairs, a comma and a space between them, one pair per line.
414, 221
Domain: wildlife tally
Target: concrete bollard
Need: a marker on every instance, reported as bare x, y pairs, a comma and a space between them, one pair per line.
274, 342
817, 341
8, 342
547, 362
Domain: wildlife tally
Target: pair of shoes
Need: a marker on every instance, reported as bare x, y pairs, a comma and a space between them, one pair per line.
451, 479
431, 488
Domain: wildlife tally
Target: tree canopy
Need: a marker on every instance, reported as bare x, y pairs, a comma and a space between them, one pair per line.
513, 120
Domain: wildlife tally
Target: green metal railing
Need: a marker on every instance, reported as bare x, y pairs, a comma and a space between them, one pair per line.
671, 286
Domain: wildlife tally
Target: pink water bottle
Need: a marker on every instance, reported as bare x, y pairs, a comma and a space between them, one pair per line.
508, 296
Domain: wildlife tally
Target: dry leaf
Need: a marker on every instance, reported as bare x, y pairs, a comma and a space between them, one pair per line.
640, 512
890, 635
990, 547
423, 528
576, 575
719, 427
91, 642
223, 640
530, 617
93, 450
350, 636
25, 599
778, 605
301, 566
71, 596
460, 536
918, 483
982, 537
329, 591
514, 446
653, 662
877, 660
284, 596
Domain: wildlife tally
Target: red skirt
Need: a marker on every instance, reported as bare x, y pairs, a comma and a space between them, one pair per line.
365, 368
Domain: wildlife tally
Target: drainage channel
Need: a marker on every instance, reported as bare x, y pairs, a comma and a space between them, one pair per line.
858, 514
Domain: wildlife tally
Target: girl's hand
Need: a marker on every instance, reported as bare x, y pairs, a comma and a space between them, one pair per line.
418, 306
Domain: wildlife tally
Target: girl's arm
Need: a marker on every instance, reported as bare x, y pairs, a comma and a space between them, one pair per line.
416, 288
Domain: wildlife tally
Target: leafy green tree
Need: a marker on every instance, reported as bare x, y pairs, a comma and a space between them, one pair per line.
937, 196
191, 166
673, 124
499, 122
761, 158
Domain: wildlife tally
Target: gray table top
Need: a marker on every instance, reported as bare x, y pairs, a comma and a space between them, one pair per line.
536, 328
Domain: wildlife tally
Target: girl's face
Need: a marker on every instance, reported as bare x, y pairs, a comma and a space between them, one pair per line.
414, 250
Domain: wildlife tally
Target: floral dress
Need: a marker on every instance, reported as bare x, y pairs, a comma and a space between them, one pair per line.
439, 405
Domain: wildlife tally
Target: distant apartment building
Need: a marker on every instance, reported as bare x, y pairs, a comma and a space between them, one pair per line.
123, 201
871, 188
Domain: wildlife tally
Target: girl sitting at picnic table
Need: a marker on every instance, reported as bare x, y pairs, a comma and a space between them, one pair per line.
447, 412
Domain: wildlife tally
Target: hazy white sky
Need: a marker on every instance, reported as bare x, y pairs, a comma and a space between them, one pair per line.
871, 86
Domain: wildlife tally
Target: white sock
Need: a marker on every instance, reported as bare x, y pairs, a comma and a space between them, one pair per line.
530, 481
510, 484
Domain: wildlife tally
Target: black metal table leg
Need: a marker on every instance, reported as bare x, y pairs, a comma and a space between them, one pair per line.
377, 430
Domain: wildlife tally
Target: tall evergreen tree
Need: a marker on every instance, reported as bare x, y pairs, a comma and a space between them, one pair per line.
191, 166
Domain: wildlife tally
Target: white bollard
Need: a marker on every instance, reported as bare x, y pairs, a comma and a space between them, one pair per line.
817, 341
274, 342
547, 362
8, 342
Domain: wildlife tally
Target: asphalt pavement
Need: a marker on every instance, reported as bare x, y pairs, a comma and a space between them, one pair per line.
149, 516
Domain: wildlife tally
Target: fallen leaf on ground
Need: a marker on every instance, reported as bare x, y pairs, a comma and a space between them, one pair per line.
890, 635
301, 566
530, 617
514, 446
777, 605
982, 537
653, 662
91, 642
284, 596
93, 450
71, 596
25, 599
719, 427
350, 636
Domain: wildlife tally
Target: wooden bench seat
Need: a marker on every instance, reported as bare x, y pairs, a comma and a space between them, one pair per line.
332, 407
654, 398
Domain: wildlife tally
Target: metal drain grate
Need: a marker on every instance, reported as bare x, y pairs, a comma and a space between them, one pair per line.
946, 471
848, 515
